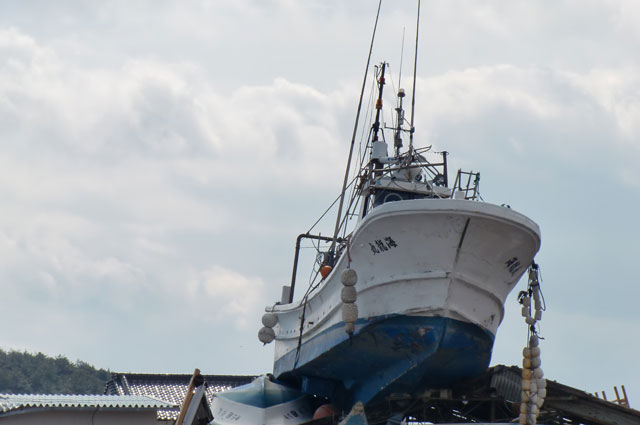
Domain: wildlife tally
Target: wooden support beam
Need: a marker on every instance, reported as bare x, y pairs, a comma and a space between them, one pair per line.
187, 399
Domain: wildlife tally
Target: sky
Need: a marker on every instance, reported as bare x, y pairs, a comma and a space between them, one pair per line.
159, 158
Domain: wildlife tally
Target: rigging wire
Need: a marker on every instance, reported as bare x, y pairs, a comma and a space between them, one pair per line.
395, 95
315, 263
415, 70
394, 123
358, 177
355, 130
366, 129
329, 208
353, 195
370, 103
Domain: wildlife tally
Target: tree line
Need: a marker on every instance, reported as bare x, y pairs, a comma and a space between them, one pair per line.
26, 373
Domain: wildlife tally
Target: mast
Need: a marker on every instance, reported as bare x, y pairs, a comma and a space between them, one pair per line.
381, 82
397, 137
378, 147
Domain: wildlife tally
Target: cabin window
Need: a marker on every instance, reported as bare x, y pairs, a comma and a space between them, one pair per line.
391, 197
383, 196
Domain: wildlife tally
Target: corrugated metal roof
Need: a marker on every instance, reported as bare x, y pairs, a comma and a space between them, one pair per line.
10, 402
506, 381
169, 387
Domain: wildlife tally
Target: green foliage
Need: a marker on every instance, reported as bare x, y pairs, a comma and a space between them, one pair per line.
27, 373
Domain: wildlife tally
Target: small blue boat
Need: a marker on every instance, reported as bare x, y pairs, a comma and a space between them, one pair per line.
261, 402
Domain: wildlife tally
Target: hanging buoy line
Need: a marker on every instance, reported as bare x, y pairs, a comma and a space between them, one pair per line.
348, 296
534, 386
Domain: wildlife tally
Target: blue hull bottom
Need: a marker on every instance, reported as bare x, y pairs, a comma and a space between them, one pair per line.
389, 355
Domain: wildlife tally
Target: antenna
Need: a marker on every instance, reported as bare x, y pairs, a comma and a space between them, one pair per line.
413, 95
401, 57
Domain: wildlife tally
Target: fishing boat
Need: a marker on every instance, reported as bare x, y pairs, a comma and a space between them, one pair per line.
410, 297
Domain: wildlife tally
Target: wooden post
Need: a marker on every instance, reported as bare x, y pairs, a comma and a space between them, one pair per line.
626, 399
187, 399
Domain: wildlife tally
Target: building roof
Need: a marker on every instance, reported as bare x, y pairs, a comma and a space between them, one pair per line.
495, 397
15, 402
171, 388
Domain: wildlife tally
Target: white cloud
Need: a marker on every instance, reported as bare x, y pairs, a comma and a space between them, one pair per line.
169, 111
225, 296
548, 113
617, 91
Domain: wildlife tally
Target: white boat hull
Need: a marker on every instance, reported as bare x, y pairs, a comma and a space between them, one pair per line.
430, 258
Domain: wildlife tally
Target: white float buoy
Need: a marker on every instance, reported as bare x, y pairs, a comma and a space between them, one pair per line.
348, 295
349, 313
537, 373
349, 277
523, 418
535, 362
266, 335
269, 320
